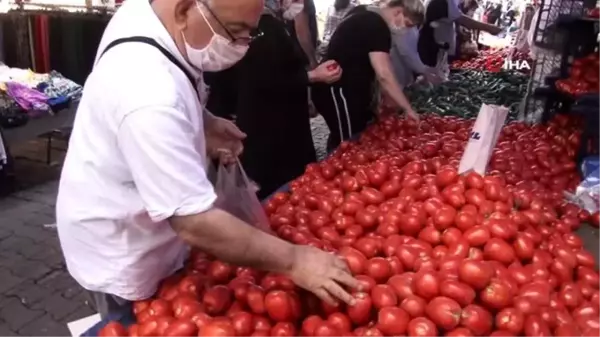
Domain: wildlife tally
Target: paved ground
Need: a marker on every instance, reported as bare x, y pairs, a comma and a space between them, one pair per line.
37, 295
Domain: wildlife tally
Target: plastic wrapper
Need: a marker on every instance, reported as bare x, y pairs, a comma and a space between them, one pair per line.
587, 194
236, 194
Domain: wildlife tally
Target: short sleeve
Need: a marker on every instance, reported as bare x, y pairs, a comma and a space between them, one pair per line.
376, 32
166, 161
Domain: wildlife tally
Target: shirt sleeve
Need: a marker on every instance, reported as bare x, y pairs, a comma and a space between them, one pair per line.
166, 161
376, 32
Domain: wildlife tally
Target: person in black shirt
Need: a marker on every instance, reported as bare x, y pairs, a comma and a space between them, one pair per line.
361, 45
267, 91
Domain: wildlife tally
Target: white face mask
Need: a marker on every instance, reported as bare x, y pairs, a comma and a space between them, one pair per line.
291, 12
219, 54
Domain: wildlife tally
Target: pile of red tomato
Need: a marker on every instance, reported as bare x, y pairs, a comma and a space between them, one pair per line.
583, 76
438, 253
493, 60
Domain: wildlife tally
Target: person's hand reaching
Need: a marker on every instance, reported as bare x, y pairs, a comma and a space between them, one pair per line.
223, 139
326, 72
412, 114
323, 274
494, 30
432, 76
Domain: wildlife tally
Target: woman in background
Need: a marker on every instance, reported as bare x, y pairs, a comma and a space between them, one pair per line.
267, 91
335, 14
405, 58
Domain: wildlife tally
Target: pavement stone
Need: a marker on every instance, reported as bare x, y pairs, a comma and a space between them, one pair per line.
38, 297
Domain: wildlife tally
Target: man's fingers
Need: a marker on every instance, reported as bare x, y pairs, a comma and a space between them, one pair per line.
326, 297
344, 277
338, 292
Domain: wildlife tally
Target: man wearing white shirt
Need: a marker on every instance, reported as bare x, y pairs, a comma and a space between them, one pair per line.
134, 192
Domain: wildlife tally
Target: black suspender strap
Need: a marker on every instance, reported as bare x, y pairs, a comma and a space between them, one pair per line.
152, 42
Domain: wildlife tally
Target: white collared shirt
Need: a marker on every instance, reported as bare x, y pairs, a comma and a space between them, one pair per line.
136, 157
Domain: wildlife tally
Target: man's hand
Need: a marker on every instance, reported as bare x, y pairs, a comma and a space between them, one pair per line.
223, 139
323, 274
431, 76
410, 113
327, 72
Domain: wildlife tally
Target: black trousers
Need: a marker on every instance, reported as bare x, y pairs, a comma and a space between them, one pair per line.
108, 305
344, 116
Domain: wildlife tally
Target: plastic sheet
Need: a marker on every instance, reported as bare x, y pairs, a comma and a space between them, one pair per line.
236, 194
587, 194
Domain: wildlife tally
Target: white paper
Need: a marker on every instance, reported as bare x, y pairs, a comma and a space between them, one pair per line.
78, 327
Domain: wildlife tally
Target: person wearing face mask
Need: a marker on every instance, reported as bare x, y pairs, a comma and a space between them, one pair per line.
134, 193
267, 92
361, 44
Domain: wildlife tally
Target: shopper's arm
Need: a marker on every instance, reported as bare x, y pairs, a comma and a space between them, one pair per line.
222, 234
470, 23
168, 171
382, 66
406, 46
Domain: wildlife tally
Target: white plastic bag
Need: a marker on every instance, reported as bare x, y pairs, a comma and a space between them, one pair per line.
236, 194
587, 194
482, 139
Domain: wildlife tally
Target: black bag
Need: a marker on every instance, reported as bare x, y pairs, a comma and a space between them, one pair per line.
7, 171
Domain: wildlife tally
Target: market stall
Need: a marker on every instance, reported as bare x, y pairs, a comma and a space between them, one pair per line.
508, 247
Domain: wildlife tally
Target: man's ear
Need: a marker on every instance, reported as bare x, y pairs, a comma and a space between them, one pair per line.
182, 9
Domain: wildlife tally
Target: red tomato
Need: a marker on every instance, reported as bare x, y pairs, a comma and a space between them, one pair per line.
511, 320
476, 319
496, 295
414, 306
279, 306
182, 327
426, 285
379, 269
217, 299
392, 321
422, 326
383, 296
217, 329
283, 329
355, 259
444, 312
458, 291
475, 273
112, 329
360, 312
